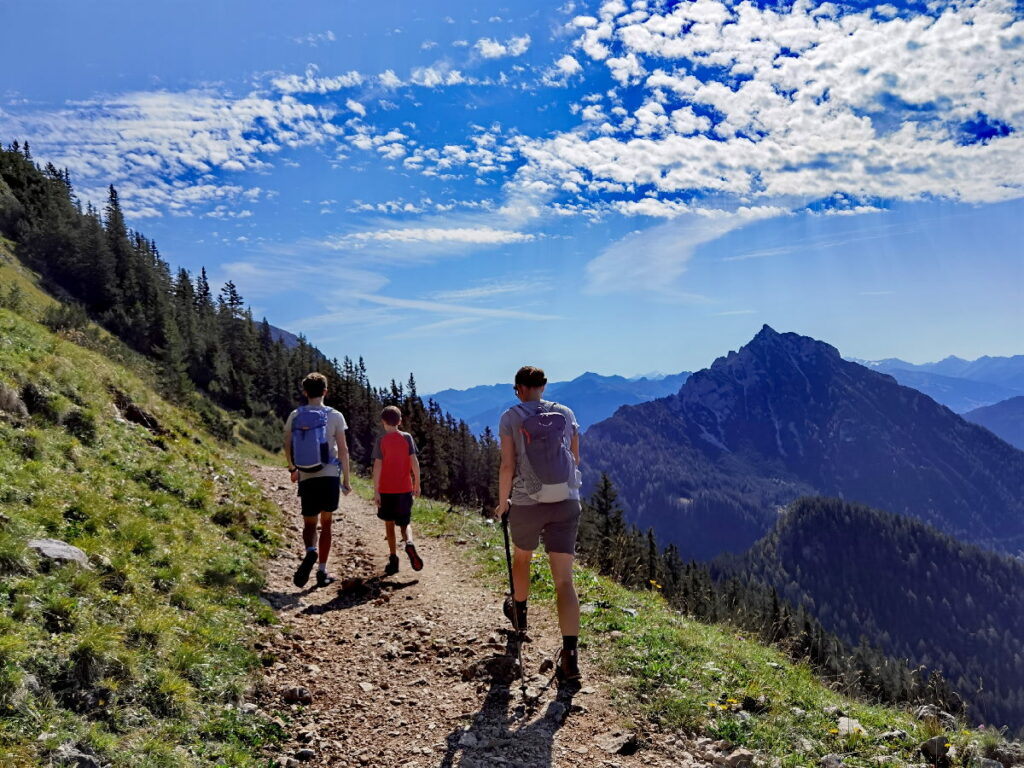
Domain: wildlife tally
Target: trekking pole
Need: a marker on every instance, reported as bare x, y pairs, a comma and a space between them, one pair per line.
512, 598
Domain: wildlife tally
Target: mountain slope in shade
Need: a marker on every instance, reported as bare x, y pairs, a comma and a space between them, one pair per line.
957, 394
895, 580
1005, 419
786, 416
591, 396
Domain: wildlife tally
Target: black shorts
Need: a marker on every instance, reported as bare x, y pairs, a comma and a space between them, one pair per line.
319, 494
395, 508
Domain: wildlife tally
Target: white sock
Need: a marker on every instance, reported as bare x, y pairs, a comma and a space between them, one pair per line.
322, 567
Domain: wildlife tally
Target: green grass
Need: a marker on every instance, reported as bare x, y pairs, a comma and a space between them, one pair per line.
683, 675
144, 657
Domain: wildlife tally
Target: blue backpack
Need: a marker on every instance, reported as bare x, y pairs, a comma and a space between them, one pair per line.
547, 455
310, 451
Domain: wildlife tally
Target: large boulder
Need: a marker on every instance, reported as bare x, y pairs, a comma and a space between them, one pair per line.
57, 551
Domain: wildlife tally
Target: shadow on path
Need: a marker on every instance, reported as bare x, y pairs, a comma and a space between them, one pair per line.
506, 727
356, 591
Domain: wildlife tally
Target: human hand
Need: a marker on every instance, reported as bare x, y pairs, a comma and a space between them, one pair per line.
416, 489
501, 510
346, 489
376, 498
294, 474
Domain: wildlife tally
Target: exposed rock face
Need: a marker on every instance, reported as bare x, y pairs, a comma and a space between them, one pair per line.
786, 416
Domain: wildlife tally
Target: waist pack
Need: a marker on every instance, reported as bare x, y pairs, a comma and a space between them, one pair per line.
310, 450
547, 456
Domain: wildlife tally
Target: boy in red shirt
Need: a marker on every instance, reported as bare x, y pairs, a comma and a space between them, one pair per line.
396, 479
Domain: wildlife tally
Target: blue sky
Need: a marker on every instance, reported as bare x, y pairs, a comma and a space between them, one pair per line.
457, 189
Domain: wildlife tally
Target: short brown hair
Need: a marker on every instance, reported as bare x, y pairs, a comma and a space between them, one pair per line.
391, 416
314, 385
530, 376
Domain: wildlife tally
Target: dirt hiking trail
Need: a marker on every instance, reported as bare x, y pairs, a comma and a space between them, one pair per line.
415, 670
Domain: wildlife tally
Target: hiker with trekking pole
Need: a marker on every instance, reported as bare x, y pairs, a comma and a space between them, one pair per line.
539, 488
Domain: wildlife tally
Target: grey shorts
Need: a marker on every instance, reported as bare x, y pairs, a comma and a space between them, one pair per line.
557, 523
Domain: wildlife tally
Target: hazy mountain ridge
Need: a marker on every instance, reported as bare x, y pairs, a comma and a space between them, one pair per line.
592, 397
786, 416
1004, 419
959, 384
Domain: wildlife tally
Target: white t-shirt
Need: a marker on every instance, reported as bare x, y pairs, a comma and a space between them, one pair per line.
336, 427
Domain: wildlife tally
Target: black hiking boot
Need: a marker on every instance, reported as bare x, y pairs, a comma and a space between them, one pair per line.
392, 567
414, 559
322, 579
568, 667
519, 621
305, 568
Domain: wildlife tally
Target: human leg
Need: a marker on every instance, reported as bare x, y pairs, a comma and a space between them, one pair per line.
325, 536
567, 601
389, 533
309, 559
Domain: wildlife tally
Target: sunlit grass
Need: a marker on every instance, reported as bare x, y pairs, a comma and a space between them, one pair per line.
144, 656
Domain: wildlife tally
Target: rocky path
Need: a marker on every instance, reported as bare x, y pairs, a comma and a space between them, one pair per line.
413, 670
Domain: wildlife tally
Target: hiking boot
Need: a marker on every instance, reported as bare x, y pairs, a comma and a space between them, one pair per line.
322, 579
392, 567
568, 665
518, 622
305, 568
414, 559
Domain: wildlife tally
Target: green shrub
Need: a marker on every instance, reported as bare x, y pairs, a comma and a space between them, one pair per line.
66, 317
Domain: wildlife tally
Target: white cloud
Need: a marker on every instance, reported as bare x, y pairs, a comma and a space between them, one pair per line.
312, 82
356, 107
493, 288
652, 260
389, 79
490, 48
568, 66
444, 308
464, 235
313, 39
165, 151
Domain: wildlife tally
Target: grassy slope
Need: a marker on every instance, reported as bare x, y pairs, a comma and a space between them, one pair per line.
143, 657
681, 675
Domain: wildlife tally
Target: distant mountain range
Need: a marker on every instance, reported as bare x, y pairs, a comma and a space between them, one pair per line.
786, 416
1005, 419
961, 385
864, 572
591, 396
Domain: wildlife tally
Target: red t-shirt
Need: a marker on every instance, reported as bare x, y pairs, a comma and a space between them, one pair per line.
395, 451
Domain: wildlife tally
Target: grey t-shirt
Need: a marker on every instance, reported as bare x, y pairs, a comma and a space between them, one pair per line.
336, 426
511, 421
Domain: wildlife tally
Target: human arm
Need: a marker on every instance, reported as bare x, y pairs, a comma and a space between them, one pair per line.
346, 483
415, 462
288, 450
506, 474
574, 447
377, 480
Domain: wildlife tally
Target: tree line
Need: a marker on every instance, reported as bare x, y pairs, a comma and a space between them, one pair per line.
632, 557
207, 346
